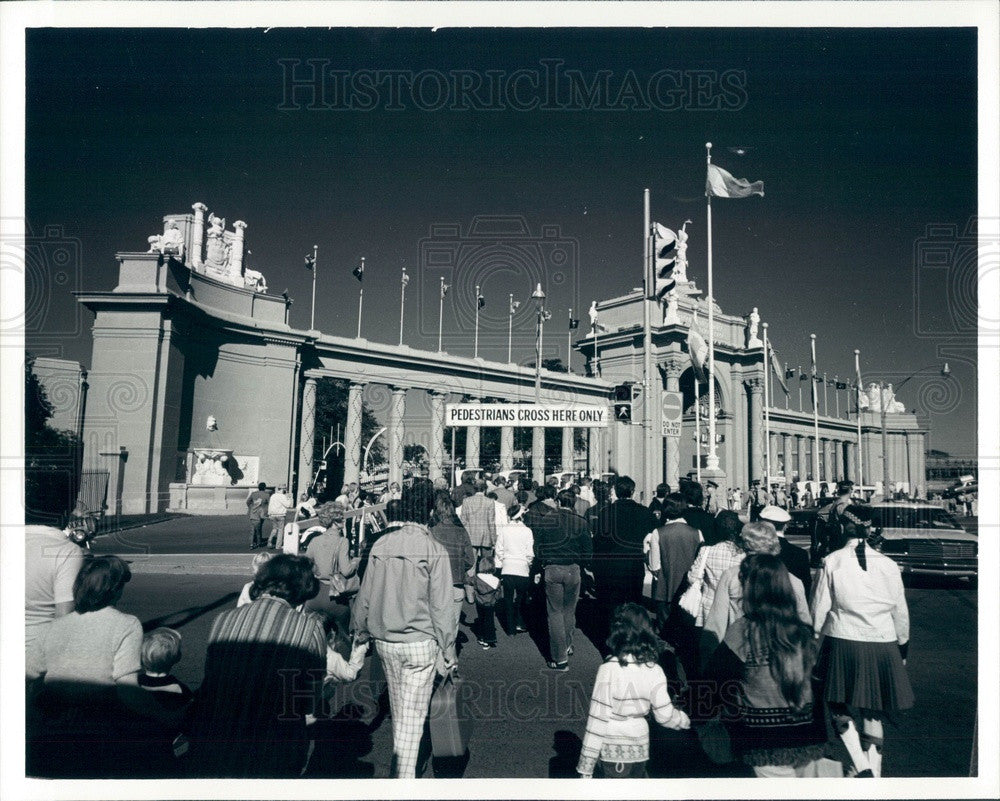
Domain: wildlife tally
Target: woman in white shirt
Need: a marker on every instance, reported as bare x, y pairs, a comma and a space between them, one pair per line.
859, 607
515, 549
629, 684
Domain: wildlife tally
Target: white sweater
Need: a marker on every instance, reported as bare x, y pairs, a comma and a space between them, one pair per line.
515, 548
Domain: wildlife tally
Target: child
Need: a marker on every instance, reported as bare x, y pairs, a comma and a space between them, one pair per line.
628, 685
259, 560
337, 667
160, 651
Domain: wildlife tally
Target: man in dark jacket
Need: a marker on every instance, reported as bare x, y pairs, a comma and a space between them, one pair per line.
679, 544
562, 545
695, 514
796, 559
656, 507
618, 554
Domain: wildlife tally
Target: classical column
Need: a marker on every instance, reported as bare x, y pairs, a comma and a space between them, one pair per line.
472, 443
786, 446
755, 388
352, 434
837, 465
595, 447
803, 457
397, 408
673, 368
307, 431
236, 263
851, 471
436, 449
538, 454
827, 460
775, 460
507, 447
568, 455
198, 235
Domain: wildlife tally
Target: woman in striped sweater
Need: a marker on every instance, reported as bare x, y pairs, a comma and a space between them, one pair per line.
629, 684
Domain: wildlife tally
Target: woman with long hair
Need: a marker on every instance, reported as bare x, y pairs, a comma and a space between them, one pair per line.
763, 669
629, 684
859, 607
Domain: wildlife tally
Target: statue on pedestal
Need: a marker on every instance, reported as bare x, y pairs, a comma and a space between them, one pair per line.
252, 279
216, 248
171, 241
681, 263
753, 324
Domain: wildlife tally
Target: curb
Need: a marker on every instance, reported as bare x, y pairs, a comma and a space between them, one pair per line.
222, 564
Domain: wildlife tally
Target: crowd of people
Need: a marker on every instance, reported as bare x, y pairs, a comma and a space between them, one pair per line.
683, 594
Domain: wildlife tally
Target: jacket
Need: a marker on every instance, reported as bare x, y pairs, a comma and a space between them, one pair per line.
618, 556
406, 594
563, 538
479, 516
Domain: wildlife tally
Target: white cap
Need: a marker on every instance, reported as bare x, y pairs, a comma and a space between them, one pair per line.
775, 514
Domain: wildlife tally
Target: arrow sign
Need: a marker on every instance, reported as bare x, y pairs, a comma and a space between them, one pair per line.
672, 407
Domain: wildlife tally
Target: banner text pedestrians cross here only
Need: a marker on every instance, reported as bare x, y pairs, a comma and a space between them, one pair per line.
549, 415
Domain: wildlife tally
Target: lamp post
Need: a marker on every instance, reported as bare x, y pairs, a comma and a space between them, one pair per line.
539, 297
945, 372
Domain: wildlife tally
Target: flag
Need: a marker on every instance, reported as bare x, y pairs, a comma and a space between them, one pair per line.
444, 289
664, 255
778, 372
698, 350
546, 314
359, 271
802, 375
790, 372
405, 279
573, 323
719, 183
480, 300
842, 385
514, 306
310, 261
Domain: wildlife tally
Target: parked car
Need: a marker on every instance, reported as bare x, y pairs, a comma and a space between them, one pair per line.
924, 539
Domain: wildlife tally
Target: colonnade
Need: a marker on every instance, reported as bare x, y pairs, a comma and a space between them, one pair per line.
395, 432
790, 452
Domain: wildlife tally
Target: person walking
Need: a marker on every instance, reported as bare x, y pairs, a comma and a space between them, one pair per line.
859, 608
629, 685
514, 553
448, 530
563, 546
406, 605
796, 559
277, 507
656, 506
257, 513
768, 653
335, 569
695, 514
618, 552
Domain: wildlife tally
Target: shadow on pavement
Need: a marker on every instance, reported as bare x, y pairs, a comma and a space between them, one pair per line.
177, 619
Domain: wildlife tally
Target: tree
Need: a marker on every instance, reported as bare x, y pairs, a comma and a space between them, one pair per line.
50, 456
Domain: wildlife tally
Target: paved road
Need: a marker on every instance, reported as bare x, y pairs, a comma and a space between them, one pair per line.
529, 721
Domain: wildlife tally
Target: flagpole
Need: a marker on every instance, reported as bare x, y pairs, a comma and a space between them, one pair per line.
596, 363
475, 350
767, 414
826, 401
510, 327
787, 394
800, 387
836, 395
569, 343
857, 374
440, 313
402, 303
812, 378
312, 316
647, 356
697, 427
712, 462
361, 295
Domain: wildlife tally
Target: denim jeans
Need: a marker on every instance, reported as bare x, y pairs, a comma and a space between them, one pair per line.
562, 590
515, 599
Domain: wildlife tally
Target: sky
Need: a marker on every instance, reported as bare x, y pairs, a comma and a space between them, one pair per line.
865, 140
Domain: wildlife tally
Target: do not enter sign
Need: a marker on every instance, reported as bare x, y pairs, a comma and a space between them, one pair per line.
673, 409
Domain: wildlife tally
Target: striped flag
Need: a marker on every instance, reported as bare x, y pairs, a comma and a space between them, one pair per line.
698, 350
779, 372
719, 183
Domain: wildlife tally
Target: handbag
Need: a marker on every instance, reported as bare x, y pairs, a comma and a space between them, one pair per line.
690, 601
450, 718
342, 585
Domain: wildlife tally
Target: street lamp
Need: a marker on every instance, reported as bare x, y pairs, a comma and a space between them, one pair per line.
540, 315
945, 372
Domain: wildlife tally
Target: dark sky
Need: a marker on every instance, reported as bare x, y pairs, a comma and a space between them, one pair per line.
863, 139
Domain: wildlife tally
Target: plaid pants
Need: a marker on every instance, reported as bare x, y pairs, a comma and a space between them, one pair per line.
409, 671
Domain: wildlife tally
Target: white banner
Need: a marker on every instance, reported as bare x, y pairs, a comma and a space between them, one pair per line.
477, 415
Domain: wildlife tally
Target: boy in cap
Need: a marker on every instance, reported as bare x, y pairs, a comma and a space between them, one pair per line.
796, 559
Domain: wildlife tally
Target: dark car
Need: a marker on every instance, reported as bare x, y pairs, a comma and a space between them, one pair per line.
924, 539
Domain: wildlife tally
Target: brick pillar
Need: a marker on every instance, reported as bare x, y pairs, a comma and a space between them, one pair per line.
307, 433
